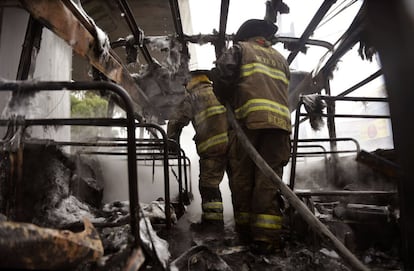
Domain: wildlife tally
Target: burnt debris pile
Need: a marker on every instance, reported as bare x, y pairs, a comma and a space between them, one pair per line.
355, 196
52, 213
163, 81
53, 217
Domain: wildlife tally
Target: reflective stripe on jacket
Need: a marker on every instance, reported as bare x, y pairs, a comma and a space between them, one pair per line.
261, 100
209, 121
208, 117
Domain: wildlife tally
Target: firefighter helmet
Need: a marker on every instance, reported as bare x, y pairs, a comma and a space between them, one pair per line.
198, 76
255, 27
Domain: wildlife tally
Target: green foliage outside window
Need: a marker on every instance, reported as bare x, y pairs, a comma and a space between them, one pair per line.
86, 104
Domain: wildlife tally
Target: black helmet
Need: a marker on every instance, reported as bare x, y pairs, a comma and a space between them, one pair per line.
255, 27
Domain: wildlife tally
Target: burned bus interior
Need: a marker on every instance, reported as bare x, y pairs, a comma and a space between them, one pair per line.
89, 179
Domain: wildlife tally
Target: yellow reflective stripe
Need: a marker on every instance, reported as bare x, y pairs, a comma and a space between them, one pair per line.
262, 104
213, 216
218, 206
211, 111
213, 210
273, 222
242, 218
256, 67
212, 141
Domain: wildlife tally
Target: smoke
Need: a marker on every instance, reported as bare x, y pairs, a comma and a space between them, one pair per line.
344, 173
312, 175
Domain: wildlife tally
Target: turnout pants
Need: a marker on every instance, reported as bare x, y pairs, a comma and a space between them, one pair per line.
256, 202
211, 173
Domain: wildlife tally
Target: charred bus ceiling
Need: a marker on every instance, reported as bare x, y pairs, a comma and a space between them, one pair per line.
142, 47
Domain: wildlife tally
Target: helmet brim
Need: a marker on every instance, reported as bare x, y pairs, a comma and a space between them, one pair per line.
255, 27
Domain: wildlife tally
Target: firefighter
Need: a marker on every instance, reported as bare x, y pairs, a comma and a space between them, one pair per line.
208, 117
253, 78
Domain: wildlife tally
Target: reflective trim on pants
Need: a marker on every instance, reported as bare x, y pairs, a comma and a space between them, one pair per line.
242, 218
212, 216
272, 222
212, 210
213, 141
214, 206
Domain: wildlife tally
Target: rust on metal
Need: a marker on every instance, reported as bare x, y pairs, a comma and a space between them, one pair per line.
136, 260
27, 246
62, 20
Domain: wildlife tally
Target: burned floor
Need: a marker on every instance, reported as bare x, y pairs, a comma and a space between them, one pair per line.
53, 218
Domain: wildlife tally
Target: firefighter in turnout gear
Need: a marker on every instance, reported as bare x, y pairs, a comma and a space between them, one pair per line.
253, 77
208, 117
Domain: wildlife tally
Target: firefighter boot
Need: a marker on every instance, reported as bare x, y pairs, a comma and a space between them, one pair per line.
208, 226
264, 247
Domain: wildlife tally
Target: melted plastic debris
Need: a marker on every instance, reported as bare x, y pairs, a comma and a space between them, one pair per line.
298, 254
314, 105
329, 253
117, 237
71, 210
102, 45
163, 82
199, 258
155, 211
154, 243
293, 258
381, 260
174, 60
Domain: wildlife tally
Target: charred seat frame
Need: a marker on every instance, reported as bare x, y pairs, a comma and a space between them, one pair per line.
129, 122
